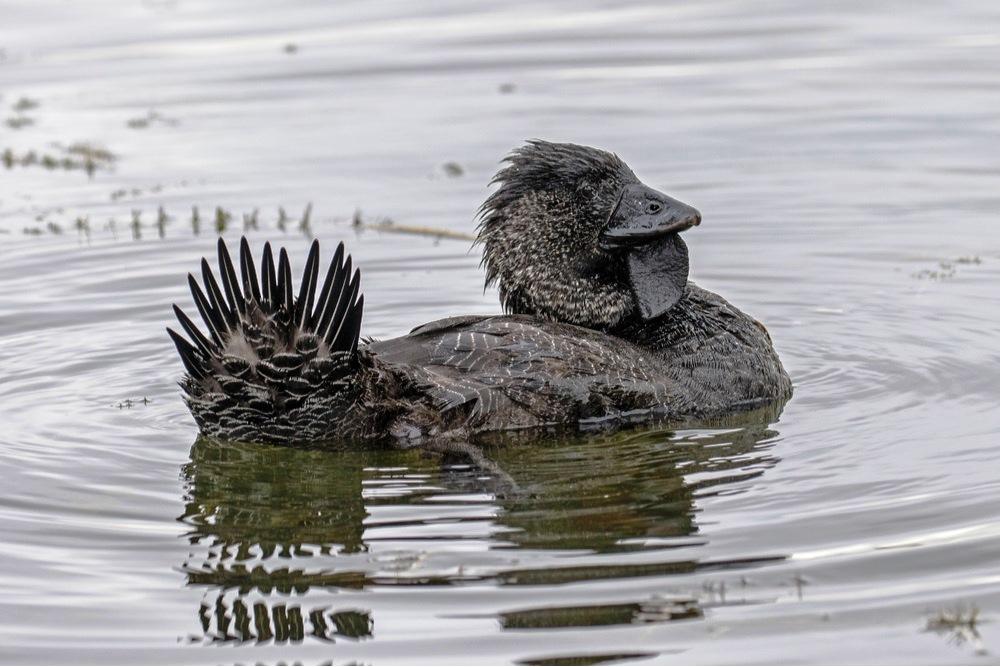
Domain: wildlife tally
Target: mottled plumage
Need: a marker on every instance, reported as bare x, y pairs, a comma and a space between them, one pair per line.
558, 235
555, 271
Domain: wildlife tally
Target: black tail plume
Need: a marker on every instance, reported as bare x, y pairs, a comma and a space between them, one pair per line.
267, 353
229, 282
249, 272
194, 363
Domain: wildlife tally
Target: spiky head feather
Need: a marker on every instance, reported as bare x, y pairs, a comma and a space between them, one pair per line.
540, 232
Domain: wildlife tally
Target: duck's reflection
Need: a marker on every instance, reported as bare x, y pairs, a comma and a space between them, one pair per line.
269, 524
228, 619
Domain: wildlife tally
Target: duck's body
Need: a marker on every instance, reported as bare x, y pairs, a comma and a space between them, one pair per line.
463, 376
292, 370
509, 372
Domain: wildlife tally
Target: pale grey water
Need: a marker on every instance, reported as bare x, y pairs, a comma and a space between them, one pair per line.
846, 160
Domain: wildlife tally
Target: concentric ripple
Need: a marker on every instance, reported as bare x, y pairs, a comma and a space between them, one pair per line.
846, 164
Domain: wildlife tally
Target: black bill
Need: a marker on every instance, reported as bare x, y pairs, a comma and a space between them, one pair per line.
643, 214
646, 224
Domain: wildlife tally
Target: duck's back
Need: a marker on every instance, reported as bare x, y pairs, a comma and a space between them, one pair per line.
502, 372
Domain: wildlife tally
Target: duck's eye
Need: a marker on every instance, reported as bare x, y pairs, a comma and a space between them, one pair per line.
653, 207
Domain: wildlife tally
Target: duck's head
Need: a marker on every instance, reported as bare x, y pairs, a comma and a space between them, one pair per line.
572, 235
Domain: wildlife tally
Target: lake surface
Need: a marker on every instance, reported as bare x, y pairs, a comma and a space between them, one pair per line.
847, 164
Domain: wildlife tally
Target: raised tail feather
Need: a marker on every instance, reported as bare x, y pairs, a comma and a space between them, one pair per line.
272, 367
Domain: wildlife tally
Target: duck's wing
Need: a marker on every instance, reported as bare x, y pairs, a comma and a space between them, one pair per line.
516, 371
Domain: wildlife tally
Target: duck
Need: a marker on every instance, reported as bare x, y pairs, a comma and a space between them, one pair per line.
600, 327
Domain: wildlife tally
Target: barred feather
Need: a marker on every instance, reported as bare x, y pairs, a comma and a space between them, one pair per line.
272, 366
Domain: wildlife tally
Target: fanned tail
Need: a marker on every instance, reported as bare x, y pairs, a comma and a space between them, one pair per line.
271, 366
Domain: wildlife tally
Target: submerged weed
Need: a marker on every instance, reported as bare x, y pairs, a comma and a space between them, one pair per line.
222, 219
136, 224
305, 224
251, 221
89, 151
161, 222
83, 156
83, 226
222, 222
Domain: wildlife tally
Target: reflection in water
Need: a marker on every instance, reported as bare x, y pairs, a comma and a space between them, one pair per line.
623, 492
267, 523
655, 610
601, 659
239, 621
255, 501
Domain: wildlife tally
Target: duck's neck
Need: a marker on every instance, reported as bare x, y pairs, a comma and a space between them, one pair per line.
713, 349
662, 333
698, 317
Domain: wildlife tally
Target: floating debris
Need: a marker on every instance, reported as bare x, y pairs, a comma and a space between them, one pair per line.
388, 225
143, 122
195, 221
129, 403
960, 625
282, 219
507, 88
452, 169
17, 122
122, 193
947, 269
291, 48
25, 104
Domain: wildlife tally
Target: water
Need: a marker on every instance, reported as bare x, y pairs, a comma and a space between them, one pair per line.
845, 161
